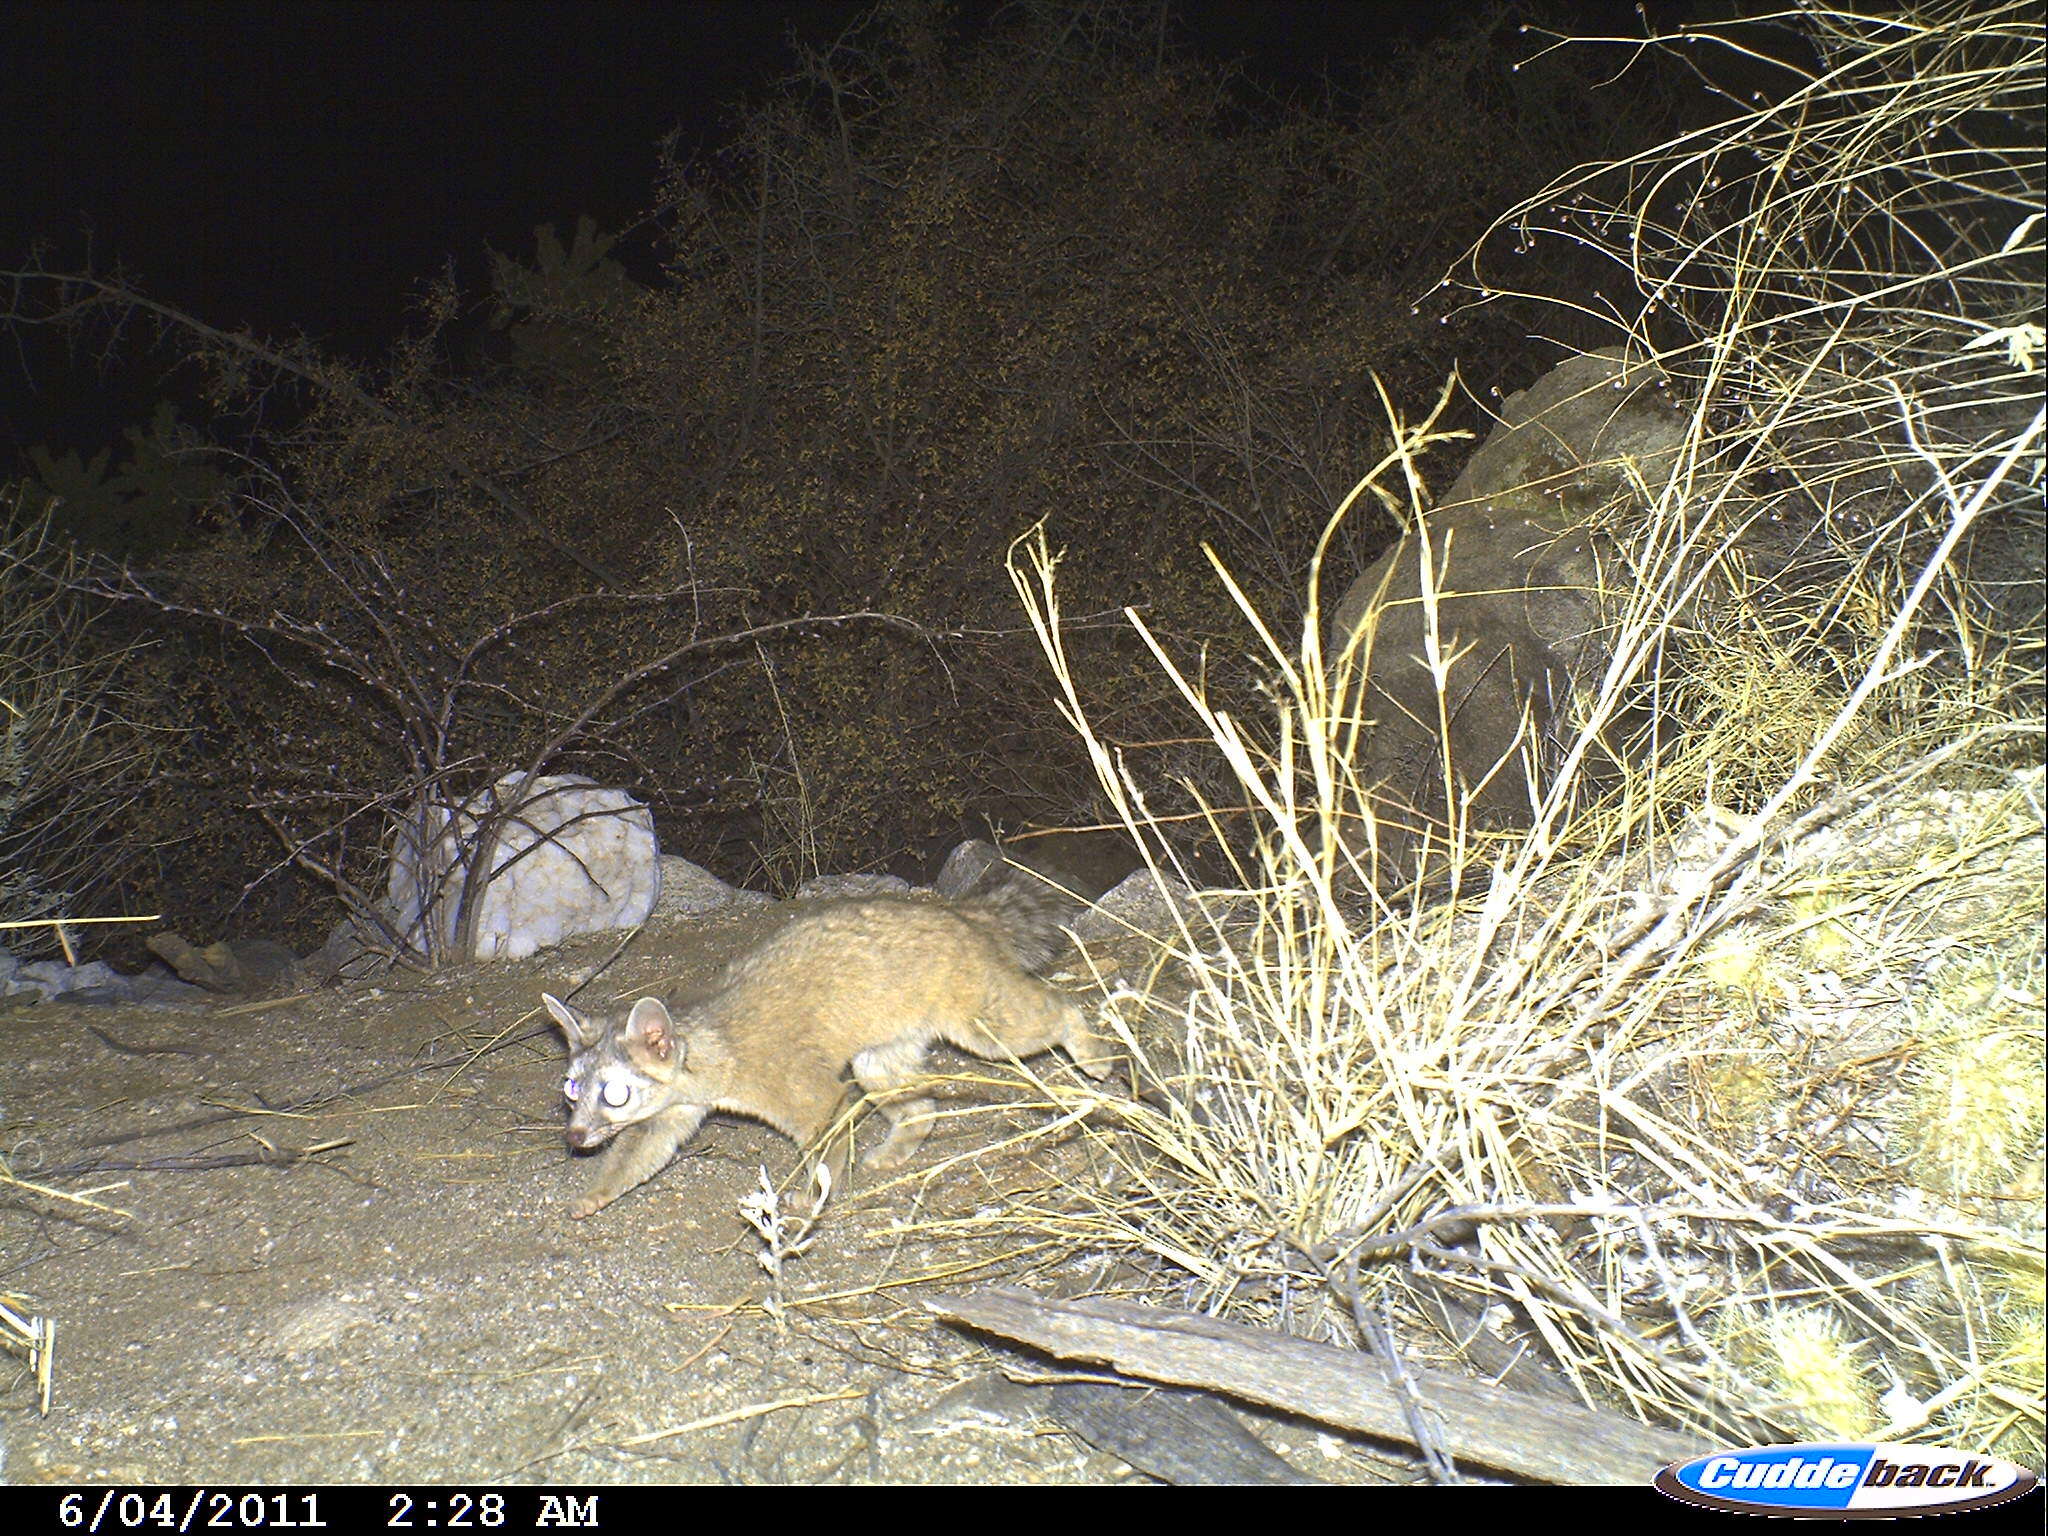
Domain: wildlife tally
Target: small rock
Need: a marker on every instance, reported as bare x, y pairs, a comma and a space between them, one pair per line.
966, 867
827, 886
689, 890
1142, 902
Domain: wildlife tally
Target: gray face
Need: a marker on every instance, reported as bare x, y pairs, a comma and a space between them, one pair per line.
604, 1091
605, 1095
619, 1067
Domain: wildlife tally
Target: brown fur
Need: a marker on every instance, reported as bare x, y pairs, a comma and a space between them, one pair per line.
868, 983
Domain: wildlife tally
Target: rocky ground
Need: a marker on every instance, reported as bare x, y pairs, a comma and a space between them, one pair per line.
323, 1238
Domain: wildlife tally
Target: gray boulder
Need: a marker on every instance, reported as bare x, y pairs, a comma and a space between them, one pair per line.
1529, 584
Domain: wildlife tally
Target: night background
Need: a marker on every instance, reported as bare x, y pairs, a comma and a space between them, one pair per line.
855, 303
1525, 518
302, 167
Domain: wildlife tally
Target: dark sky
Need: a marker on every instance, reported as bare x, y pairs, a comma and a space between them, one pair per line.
303, 165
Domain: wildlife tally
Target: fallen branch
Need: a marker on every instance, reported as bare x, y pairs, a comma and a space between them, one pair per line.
266, 1156
1478, 1422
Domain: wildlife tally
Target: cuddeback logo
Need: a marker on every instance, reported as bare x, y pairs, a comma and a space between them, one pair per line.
1845, 1480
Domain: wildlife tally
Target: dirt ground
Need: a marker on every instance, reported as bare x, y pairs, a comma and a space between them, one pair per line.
413, 1304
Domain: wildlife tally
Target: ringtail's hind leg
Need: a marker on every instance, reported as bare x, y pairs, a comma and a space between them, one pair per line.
637, 1154
883, 1071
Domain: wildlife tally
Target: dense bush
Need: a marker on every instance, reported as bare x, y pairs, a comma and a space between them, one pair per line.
72, 761
931, 294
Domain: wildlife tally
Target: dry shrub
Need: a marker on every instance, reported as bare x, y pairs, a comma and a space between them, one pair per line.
934, 290
1718, 1091
72, 757
931, 295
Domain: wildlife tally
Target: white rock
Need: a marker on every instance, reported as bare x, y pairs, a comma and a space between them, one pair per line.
571, 858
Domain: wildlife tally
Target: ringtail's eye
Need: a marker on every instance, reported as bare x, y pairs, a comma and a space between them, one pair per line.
616, 1094
572, 1089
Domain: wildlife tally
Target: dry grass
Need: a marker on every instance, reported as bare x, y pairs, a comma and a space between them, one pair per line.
35, 1338
1717, 1091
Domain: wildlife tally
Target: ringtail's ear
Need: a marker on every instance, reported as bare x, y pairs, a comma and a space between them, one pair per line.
582, 1031
651, 1035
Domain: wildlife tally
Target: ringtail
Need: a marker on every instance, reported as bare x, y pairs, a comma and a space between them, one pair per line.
868, 983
